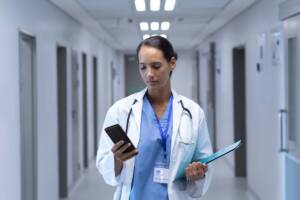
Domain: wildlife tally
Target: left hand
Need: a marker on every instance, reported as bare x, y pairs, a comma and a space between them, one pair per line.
195, 171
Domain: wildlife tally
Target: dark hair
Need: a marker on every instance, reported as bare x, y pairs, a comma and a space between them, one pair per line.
160, 43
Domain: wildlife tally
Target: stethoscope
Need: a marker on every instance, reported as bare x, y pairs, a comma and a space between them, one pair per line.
181, 103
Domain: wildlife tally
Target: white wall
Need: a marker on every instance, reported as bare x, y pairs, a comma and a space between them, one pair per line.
261, 96
184, 76
50, 26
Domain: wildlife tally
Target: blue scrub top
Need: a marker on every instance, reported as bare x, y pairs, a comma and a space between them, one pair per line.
150, 154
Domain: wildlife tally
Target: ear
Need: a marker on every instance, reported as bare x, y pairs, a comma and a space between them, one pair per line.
173, 63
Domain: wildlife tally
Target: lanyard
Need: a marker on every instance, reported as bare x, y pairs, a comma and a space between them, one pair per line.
164, 134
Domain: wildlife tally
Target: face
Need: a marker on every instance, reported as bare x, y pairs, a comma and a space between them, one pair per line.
154, 68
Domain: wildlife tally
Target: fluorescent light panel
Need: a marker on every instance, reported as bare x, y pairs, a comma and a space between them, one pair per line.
154, 26
140, 5
165, 26
170, 5
154, 5
144, 26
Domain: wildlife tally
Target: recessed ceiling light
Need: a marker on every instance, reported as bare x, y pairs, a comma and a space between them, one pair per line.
155, 5
144, 26
165, 26
154, 26
140, 5
146, 36
169, 5
163, 35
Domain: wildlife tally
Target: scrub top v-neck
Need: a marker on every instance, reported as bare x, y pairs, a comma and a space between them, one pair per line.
151, 152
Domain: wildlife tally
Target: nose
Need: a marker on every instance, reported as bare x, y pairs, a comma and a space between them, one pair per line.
149, 73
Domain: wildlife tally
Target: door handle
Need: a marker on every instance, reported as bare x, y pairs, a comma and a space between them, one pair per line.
282, 123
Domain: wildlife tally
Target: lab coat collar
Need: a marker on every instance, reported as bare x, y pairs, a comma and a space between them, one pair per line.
140, 95
177, 111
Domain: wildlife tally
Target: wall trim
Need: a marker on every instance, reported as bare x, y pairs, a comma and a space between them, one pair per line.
288, 9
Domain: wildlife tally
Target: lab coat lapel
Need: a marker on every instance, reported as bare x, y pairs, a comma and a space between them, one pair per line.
137, 114
177, 111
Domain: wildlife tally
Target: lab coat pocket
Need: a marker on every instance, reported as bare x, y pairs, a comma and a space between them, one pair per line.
185, 151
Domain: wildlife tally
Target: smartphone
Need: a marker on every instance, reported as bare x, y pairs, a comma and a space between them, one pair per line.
116, 134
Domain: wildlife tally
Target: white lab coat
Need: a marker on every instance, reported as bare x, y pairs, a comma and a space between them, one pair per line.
190, 137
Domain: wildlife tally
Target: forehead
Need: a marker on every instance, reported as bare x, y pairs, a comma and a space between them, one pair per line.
148, 53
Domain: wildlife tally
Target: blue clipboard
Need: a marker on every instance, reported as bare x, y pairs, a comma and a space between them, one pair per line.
181, 170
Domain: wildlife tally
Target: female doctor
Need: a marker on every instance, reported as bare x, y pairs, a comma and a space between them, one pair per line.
168, 129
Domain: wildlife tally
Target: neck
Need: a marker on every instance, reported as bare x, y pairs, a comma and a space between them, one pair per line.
159, 96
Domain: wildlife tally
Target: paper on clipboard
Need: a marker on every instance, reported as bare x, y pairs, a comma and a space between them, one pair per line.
214, 156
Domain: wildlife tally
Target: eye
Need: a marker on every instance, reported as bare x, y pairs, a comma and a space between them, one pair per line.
142, 66
156, 65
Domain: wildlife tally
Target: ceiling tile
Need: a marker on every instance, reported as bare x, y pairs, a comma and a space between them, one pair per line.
189, 21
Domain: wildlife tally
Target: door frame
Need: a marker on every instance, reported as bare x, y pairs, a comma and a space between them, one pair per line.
25, 35
75, 114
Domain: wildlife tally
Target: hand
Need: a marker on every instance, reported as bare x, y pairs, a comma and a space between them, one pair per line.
119, 155
195, 171
118, 151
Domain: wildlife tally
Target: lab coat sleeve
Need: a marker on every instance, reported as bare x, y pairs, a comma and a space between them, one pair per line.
105, 159
203, 149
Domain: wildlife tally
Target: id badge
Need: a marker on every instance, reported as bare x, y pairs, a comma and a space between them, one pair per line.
161, 174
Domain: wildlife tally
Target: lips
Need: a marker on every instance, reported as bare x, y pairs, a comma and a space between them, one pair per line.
152, 82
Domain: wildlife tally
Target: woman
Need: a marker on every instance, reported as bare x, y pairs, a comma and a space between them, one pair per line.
167, 129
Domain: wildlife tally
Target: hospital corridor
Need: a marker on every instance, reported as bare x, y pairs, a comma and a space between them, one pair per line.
71, 68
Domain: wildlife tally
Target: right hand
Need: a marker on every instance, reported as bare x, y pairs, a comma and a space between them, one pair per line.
118, 151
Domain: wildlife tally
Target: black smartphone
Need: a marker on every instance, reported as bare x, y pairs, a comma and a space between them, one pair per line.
116, 134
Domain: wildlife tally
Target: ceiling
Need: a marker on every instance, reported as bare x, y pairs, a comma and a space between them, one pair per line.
116, 22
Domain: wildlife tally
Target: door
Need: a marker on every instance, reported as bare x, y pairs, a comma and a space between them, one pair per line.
28, 119
133, 80
75, 119
290, 134
206, 87
84, 111
61, 54
95, 87
239, 106
212, 95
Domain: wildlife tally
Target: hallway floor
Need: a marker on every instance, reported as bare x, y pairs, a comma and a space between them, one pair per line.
224, 186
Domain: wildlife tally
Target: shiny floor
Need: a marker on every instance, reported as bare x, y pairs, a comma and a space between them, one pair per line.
224, 186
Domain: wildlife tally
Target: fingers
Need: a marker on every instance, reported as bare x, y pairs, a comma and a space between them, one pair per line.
205, 168
118, 151
127, 156
195, 171
117, 146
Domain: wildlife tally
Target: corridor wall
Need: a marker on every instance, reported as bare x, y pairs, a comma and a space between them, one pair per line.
263, 161
51, 27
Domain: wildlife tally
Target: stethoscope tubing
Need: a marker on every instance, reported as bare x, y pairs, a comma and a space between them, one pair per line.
130, 111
